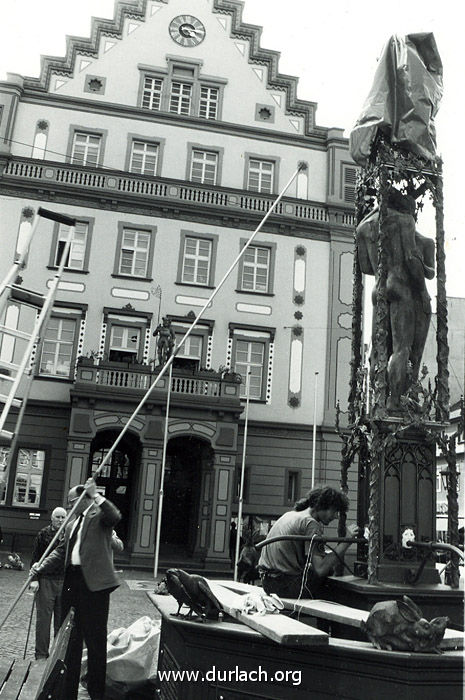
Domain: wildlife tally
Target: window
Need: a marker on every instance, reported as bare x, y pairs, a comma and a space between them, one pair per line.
28, 476
86, 149
124, 343
56, 357
196, 260
152, 92
134, 257
204, 167
250, 357
209, 99
189, 356
4, 452
260, 176
144, 158
292, 487
76, 255
180, 98
256, 269
125, 338
181, 89
28, 481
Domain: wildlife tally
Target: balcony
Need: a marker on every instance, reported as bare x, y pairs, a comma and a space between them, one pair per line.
125, 382
112, 186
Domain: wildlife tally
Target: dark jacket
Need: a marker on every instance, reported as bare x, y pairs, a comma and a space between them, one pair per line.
95, 550
41, 542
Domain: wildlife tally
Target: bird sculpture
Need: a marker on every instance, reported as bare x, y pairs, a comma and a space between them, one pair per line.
194, 592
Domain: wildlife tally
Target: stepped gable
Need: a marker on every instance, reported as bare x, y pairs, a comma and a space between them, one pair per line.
137, 10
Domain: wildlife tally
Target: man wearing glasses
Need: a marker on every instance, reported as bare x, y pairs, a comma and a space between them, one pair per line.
86, 553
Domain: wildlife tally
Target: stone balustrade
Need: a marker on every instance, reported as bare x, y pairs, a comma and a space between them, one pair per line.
97, 180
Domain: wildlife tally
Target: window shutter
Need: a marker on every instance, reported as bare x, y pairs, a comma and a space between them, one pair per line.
350, 179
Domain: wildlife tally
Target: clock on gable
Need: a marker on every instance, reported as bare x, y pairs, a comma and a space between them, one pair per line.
187, 30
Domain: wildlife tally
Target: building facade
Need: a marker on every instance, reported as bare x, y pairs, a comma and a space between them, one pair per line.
168, 136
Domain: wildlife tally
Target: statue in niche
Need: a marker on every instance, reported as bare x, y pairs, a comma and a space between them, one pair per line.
165, 342
410, 260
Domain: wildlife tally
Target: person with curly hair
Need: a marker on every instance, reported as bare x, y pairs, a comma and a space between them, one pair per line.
295, 568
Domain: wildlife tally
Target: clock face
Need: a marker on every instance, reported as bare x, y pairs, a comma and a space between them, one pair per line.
187, 30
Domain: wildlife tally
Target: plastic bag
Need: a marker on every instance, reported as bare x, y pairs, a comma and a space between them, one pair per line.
403, 100
132, 656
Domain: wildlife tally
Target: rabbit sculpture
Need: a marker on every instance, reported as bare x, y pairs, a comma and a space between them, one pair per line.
399, 625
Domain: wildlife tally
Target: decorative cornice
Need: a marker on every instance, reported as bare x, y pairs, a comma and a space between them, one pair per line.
268, 58
83, 46
316, 139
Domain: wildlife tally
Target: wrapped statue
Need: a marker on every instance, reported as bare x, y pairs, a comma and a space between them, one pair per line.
404, 99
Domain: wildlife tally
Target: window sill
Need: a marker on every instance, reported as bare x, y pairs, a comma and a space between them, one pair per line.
197, 286
260, 294
69, 269
36, 509
252, 400
53, 378
133, 278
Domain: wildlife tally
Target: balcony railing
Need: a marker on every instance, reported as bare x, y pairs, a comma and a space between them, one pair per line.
210, 384
93, 179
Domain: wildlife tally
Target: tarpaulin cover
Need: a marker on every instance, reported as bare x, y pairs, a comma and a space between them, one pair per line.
404, 99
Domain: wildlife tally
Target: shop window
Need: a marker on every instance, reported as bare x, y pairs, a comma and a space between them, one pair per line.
4, 452
26, 473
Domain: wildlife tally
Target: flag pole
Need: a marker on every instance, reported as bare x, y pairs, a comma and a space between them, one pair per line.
314, 429
241, 489
162, 477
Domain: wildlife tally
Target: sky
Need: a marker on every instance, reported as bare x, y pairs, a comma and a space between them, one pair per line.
331, 47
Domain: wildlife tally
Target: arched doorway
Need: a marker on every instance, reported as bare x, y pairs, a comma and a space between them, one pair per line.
187, 458
117, 478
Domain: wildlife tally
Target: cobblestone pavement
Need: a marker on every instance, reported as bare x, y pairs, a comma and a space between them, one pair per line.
126, 606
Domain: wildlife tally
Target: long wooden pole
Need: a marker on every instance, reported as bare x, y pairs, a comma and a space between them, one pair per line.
241, 490
301, 166
162, 476
315, 393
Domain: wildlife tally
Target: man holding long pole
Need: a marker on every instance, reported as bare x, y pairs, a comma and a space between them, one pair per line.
86, 554
301, 166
